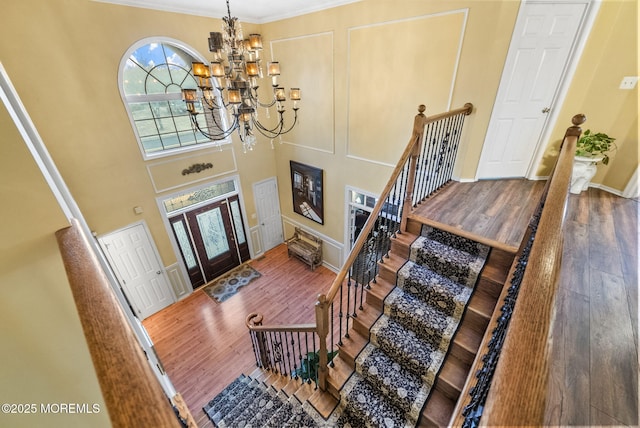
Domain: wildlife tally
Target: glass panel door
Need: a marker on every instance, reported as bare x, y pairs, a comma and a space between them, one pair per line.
214, 238
179, 227
212, 232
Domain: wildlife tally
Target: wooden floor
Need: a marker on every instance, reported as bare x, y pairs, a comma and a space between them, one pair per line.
205, 345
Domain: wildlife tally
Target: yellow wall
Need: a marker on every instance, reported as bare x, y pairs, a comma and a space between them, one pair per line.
387, 58
44, 355
610, 54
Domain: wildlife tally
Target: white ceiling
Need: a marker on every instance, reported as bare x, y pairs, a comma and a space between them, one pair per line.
252, 11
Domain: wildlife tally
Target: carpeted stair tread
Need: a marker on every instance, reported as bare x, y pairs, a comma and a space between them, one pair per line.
225, 394
455, 241
263, 410
433, 288
227, 399
369, 408
246, 408
409, 350
427, 321
405, 389
455, 264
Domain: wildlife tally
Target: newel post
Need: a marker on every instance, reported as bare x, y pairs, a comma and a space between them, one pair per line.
322, 323
416, 140
261, 347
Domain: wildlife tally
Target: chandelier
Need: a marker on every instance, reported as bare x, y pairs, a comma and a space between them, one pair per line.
237, 69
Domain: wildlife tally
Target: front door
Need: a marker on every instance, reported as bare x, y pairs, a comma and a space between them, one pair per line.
137, 266
542, 42
212, 239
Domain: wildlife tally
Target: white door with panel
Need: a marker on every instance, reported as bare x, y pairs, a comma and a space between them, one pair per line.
542, 42
136, 263
268, 211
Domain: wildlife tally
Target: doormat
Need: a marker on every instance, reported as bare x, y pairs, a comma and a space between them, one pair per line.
225, 286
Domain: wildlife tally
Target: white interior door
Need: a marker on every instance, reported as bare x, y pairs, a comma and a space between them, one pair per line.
268, 211
543, 39
138, 268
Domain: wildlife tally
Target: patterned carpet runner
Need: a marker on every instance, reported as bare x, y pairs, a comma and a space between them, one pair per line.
408, 343
398, 367
248, 403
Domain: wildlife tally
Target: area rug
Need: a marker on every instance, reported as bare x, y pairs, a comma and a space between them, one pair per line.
228, 284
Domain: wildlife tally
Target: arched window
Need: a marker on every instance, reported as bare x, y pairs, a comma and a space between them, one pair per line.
152, 74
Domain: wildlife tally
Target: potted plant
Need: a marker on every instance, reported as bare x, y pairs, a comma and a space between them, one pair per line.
595, 146
590, 149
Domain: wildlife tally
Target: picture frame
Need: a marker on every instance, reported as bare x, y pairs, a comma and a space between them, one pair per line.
307, 191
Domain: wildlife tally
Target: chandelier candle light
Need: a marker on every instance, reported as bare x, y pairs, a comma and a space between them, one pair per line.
236, 67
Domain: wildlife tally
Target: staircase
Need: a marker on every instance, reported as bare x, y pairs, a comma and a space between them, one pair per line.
441, 330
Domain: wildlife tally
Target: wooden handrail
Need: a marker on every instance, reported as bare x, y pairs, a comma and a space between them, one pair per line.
254, 323
131, 391
517, 395
420, 121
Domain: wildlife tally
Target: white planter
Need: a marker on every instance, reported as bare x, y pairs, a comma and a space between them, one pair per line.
584, 168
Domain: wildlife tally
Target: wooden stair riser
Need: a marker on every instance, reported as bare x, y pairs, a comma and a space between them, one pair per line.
452, 377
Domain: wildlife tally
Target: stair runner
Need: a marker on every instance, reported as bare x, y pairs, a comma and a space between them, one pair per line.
407, 345
247, 402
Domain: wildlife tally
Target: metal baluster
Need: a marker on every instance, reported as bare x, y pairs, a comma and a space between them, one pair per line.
299, 353
423, 168
348, 306
285, 352
291, 349
332, 333
340, 316
317, 367
306, 357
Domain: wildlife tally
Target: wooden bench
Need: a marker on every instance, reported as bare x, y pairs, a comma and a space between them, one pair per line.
306, 247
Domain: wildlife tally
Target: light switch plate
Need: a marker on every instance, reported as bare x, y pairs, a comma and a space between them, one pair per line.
629, 82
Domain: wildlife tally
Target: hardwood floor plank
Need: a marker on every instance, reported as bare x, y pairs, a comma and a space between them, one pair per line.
625, 218
575, 258
576, 359
603, 247
614, 366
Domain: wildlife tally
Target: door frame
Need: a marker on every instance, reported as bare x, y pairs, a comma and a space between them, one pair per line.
174, 244
156, 254
584, 29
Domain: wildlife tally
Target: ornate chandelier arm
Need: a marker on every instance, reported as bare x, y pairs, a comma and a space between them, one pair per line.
224, 133
279, 128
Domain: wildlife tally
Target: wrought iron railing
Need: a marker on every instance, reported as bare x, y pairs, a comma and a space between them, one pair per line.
425, 165
288, 350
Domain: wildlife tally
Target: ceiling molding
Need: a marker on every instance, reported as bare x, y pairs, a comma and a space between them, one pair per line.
254, 11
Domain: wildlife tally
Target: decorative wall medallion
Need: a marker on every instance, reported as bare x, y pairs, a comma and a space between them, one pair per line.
196, 168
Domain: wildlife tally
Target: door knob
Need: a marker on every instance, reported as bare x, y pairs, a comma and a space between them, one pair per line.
546, 110
158, 272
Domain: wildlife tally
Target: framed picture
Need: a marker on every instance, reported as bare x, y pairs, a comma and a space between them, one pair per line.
306, 188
